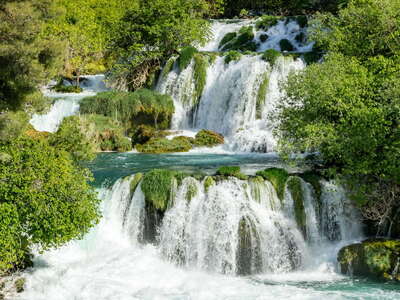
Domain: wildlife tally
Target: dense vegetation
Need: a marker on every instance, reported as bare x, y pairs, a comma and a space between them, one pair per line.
347, 108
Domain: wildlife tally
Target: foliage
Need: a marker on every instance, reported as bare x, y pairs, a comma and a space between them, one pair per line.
74, 137
132, 108
12, 125
142, 134
312, 56
277, 177
271, 56
27, 58
286, 45
233, 171
45, 199
208, 138
262, 94
164, 145
157, 187
186, 57
232, 56
363, 29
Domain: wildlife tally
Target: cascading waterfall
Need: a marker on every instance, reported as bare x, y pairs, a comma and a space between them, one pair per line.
66, 104
233, 226
238, 97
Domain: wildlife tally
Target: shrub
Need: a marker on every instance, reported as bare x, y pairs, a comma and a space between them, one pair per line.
271, 56
132, 108
46, 200
233, 171
266, 22
232, 56
277, 177
186, 56
163, 145
208, 138
286, 45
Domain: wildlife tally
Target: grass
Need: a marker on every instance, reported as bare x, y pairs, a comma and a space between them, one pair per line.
277, 177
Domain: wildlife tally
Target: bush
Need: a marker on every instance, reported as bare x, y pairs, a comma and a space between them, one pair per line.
208, 138
271, 56
232, 56
186, 57
232, 171
46, 200
277, 177
286, 45
132, 108
163, 145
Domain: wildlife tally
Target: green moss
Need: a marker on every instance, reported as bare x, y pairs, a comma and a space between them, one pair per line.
232, 56
208, 138
286, 45
186, 57
296, 190
167, 67
200, 75
233, 171
266, 22
261, 95
208, 182
374, 258
277, 177
271, 56
19, 285
227, 38
135, 182
264, 38
157, 187
163, 145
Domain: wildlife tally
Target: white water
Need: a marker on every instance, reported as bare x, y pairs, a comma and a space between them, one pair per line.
66, 104
228, 102
198, 241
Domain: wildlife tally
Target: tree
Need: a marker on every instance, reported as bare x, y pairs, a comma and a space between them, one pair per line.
27, 58
153, 32
45, 200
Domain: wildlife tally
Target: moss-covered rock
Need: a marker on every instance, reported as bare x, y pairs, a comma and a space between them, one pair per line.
201, 63
277, 177
61, 88
271, 56
265, 22
375, 258
232, 56
19, 285
208, 182
286, 45
261, 95
169, 64
233, 171
135, 182
301, 37
164, 145
227, 38
208, 138
294, 187
242, 42
264, 38
248, 258
186, 56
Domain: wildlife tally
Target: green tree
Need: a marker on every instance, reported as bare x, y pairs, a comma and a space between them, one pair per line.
27, 59
45, 199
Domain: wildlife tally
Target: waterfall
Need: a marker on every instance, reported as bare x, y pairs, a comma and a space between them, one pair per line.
233, 226
238, 97
66, 104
